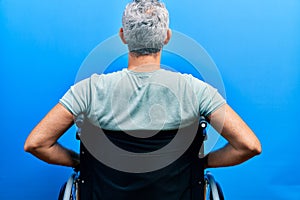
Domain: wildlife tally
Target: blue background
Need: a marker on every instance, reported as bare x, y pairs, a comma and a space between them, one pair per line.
255, 44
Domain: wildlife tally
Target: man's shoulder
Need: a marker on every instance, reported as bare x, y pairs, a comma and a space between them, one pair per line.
96, 77
190, 78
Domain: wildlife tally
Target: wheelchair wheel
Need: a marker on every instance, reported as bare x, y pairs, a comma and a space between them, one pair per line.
62, 191
69, 190
213, 188
220, 192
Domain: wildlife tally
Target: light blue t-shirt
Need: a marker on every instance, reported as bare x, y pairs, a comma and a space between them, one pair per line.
128, 100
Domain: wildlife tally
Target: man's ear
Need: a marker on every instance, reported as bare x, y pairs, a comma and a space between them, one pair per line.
169, 35
121, 34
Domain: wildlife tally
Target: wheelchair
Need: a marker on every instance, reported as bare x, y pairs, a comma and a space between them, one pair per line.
208, 188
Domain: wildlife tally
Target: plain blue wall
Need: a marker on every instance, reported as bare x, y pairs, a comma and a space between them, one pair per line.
255, 44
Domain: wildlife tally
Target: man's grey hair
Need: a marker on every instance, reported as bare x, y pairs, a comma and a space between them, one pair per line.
145, 24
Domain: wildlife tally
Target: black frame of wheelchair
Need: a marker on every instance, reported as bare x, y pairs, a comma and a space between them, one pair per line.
212, 189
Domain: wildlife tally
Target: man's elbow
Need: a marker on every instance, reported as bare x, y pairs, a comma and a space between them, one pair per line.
28, 147
254, 149
31, 146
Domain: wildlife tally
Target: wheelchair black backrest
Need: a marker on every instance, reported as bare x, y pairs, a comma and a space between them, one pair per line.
182, 179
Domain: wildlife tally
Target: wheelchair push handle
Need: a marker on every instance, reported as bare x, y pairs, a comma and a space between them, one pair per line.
202, 122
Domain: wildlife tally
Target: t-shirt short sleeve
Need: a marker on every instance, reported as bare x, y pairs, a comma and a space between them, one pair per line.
212, 101
209, 98
77, 99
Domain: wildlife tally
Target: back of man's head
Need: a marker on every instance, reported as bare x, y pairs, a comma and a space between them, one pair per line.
145, 25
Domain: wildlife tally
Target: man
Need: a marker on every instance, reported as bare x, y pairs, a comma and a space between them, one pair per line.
143, 97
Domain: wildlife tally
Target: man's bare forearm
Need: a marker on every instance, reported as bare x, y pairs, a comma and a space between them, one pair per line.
229, 156
57, 154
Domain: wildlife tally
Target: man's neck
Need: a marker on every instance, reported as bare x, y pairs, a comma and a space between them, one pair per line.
145, 63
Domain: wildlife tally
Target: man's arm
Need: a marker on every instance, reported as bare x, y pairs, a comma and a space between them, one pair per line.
242, 142
42, 141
